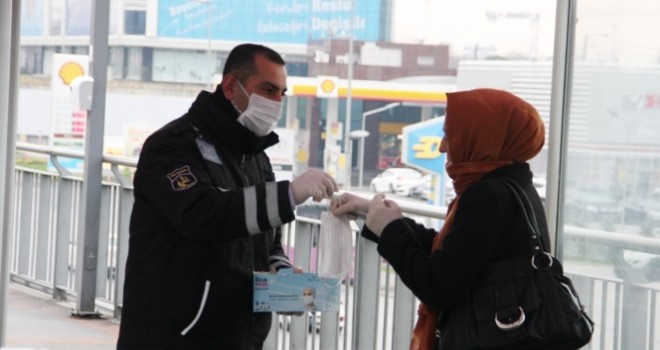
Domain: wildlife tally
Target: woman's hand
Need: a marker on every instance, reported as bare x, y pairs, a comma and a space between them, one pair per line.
349, 204
381, 212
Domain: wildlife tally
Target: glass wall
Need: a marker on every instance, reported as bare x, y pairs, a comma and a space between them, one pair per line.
612, 174
392, 61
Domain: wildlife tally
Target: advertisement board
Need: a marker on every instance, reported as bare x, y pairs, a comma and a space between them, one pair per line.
286, 21
67, 126
283, 154
625, 113
420, 146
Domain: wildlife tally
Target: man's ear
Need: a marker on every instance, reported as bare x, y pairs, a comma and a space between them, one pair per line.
229, 87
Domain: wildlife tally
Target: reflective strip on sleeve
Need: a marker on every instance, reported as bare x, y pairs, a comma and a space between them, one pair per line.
278, 261
250, 198
279, 264
272, 206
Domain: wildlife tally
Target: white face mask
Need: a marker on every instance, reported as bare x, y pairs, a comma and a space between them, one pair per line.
261, 115
308, 299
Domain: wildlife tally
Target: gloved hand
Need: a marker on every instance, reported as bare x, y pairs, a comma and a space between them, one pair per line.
312, 183
349, 204
381, 212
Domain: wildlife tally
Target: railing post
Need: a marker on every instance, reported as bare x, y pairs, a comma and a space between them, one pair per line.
634, 306
65, 209
23, 239
302, 255
44, 230
404, 315
125, 207
103, 266
367, 294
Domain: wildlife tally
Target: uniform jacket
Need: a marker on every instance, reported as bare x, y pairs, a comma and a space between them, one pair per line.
206, 215
489, 226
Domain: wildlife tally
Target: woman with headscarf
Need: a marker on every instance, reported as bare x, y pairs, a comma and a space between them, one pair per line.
489, 134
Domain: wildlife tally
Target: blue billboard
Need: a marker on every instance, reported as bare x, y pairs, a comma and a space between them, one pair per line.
420, 147
285, 21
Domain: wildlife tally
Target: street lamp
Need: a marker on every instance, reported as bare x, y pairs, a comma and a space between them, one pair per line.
364, 117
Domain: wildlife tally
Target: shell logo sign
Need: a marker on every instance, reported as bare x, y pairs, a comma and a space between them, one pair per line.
69, 71
327, 87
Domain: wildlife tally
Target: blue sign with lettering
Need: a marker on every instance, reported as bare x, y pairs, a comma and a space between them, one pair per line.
285, 21
420, 146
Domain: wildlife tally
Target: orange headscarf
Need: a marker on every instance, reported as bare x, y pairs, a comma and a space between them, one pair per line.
485, 129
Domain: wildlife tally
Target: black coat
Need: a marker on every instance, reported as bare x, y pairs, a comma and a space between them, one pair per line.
488, 226
206, 215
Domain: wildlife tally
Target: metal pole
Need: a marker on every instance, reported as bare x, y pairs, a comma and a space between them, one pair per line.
364, 117
562, 78
209, 84
348, 141
87, 245
361, 157
10, 14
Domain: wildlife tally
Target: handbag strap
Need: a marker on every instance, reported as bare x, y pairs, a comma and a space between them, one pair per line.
525, 204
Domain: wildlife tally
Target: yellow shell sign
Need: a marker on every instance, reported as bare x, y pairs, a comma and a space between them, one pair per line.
327, 87
70, 71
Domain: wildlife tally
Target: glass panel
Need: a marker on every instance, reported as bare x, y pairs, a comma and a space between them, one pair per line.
56, 17
135, 22
612, 194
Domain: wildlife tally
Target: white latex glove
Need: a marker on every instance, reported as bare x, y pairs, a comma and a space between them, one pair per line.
349, 204
312, 183
381, 212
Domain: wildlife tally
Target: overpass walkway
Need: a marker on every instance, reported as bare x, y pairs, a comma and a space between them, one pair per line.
36, 322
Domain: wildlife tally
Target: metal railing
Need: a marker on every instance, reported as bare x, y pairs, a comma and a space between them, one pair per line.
377, 310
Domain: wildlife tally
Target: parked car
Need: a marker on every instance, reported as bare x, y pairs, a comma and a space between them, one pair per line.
414, 188
587, 206
645, 263
643, 211
449, 192
392, 178
314, 321
540, 185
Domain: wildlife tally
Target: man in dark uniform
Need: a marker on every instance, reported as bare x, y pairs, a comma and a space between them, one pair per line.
207, 214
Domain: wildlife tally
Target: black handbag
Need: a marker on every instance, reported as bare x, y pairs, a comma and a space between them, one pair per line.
522, 303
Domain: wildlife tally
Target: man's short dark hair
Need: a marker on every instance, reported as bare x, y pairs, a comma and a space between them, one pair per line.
241, 62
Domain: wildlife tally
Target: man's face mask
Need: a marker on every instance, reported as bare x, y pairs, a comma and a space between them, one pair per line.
261, 115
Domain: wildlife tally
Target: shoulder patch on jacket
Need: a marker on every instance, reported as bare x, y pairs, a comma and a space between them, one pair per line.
182, 178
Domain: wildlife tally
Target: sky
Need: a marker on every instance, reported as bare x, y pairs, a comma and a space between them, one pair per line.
607, 30
503, 27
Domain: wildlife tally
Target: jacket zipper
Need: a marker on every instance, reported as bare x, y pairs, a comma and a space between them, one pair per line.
199, 311
246, 182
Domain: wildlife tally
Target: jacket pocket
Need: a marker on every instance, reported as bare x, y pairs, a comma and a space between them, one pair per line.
200, 310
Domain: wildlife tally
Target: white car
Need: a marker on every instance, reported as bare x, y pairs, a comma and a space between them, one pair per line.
414, 188
393, 178
449, 192
540, 185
